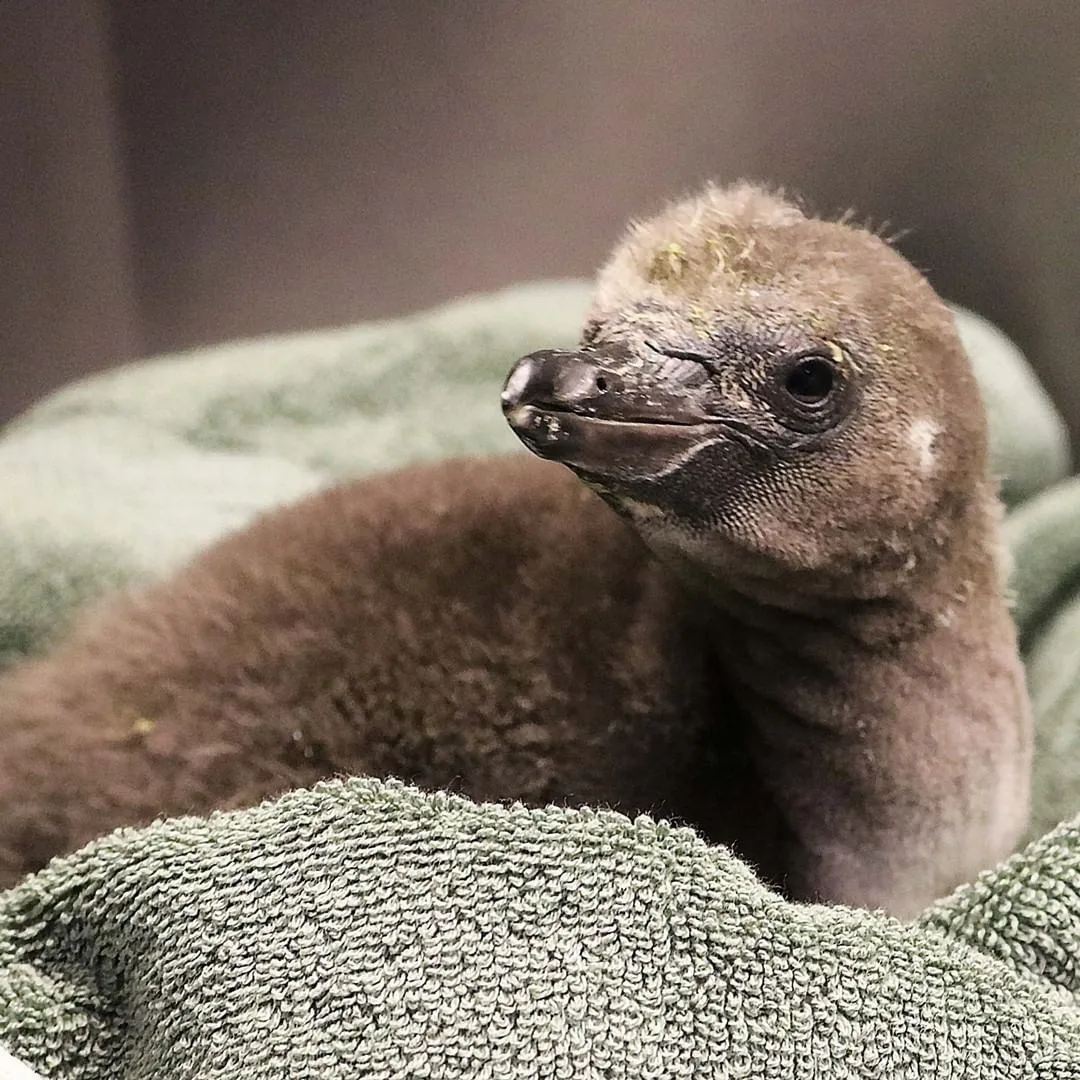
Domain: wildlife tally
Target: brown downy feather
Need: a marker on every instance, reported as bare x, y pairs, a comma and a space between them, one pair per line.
487, 626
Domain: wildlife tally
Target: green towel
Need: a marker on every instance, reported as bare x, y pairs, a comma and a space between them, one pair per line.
122, 476
364, 929
1044, 535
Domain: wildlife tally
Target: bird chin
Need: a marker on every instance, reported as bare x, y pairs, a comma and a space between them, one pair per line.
603, 449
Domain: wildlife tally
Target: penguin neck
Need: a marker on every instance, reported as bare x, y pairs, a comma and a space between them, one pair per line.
892, 733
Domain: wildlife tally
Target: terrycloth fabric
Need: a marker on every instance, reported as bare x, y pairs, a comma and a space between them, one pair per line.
122, 476
363, 929
1044, 535
366, 930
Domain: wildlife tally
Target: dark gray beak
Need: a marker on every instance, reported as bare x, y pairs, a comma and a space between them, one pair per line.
611, 413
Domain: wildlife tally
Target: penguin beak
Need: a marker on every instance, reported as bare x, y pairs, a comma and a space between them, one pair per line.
611, 413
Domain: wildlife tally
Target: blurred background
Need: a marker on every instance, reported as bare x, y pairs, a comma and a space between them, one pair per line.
177, 173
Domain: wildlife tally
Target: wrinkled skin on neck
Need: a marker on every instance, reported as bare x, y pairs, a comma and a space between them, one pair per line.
892, 733
782, 409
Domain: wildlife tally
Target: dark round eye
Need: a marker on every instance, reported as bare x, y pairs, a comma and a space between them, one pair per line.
811, 380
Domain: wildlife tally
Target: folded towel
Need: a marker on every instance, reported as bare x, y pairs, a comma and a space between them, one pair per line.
123, 476
363, 928
1044, 536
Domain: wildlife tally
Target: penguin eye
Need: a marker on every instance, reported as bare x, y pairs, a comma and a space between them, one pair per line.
810, 379
811, 392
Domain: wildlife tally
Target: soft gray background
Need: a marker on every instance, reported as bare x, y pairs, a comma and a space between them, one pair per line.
176, 172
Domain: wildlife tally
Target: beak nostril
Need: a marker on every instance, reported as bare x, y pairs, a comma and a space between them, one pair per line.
556, 378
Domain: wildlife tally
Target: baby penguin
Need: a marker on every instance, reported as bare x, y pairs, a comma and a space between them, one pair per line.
791, 632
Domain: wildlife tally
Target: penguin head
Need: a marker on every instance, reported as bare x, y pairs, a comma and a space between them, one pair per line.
765, 393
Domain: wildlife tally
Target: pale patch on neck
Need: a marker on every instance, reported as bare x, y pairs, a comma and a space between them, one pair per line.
664, 533
922, 435
642, 514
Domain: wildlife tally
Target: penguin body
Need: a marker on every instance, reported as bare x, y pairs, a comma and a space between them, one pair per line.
787, 627
481, 625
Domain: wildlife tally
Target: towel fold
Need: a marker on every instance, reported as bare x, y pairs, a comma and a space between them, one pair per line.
123, 476
365, 929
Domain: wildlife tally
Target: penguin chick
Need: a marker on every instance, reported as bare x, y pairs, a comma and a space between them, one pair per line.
808, 658
781, 408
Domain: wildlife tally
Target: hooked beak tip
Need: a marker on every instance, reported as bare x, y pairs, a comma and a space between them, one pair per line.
519, 417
